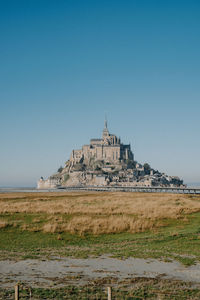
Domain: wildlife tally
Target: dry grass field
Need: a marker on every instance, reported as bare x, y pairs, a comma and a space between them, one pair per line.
95, 212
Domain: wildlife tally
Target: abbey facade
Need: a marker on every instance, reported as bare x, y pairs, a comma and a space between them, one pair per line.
109, 149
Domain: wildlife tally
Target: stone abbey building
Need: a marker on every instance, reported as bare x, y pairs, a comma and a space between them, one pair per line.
109, 149
106, 162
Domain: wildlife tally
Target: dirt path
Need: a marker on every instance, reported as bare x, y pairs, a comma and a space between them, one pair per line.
59, 272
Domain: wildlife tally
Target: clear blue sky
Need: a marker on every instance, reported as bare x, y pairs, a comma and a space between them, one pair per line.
64, 64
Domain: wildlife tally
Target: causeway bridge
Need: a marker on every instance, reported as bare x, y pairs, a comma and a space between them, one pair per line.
144, 189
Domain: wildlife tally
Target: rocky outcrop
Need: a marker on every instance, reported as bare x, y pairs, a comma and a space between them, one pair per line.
105, 174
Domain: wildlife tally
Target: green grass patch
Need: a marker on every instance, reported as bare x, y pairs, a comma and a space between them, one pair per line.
178, 239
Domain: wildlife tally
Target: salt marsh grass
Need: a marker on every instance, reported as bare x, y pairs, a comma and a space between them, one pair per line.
97, 213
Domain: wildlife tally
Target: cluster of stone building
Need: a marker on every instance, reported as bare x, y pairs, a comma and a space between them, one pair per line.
109, 149
106, 162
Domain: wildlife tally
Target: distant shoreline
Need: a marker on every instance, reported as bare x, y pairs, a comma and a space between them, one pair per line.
35, 190
30, 189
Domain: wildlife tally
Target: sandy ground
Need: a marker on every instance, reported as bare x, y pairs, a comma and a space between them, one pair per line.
61, 271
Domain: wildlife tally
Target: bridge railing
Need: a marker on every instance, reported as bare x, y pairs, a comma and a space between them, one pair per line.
177, 190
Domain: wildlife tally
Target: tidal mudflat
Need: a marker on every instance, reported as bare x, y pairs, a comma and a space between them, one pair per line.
77, 271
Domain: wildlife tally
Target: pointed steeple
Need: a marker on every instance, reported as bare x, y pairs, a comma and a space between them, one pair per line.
105, 130
105, 123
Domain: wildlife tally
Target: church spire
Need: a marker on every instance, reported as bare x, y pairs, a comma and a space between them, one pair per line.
105, 130
105, 123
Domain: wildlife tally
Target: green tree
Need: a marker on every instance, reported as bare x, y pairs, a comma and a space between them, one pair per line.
130, 164
66, 177
147, 168
60, 169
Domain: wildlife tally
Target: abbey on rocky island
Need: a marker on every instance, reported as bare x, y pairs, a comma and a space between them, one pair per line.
106, 162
